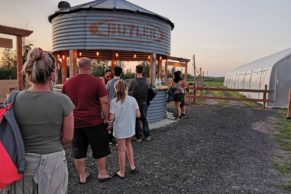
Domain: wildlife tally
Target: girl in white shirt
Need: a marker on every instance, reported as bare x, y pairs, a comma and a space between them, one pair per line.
123, 112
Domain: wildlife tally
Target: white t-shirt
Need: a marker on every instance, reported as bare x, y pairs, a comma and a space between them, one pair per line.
125, 115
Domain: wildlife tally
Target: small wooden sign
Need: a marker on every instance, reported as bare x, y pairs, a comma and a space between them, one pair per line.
176, 64
5, 43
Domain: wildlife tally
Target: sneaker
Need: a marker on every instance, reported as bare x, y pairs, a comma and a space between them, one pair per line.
148, 138
139, 140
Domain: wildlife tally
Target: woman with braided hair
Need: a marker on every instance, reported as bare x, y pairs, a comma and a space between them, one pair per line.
123, 112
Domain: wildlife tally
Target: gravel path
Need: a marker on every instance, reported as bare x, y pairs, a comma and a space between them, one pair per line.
213, 150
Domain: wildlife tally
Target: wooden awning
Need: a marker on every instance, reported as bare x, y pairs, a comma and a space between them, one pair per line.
14, 31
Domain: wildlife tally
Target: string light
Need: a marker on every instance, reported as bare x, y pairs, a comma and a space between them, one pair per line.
80, 54
134, 56
149, 57
116, 54
97, 53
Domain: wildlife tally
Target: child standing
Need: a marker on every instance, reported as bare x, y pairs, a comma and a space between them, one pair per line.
123, 111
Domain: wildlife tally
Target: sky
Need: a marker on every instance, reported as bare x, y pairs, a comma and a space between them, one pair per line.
222, 34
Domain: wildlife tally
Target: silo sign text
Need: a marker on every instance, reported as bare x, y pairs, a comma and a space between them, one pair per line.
126, 32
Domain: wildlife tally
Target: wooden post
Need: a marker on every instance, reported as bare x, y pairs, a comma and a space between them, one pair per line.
64, 68
194, 93
153, 68
113, 61
57, 67
186, 71
166, 71
73, 62
160, 68
19, 63
265, 96
289, 106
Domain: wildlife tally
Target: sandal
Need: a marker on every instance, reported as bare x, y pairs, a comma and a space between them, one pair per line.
87, 178
133, 171
101, 180
117, 175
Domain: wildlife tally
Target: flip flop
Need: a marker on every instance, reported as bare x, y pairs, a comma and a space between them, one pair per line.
101, 180
87, 178
117, 175
133, 171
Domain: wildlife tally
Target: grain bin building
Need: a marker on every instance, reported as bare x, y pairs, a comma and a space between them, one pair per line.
114, 30
273, 71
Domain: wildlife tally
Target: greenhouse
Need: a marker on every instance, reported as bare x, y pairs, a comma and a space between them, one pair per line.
273, 71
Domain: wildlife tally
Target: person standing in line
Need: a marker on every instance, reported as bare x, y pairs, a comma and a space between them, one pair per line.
91, 100
179, 86
112, 94
46, 123
139, 90
123, 111
110, 84
106, 77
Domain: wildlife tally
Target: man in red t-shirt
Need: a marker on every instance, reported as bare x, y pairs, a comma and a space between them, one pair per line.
91, 101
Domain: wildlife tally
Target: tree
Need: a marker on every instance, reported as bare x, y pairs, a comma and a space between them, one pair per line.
99, 67
26, 49
8, 58
128, 74
9, 62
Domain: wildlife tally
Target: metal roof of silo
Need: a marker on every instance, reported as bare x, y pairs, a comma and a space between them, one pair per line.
113, 5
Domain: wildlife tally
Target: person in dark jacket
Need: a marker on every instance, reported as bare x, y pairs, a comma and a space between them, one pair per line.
139, 89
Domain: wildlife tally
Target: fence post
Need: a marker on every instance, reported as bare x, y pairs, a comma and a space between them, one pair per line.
265, 96
289, 106
194, 93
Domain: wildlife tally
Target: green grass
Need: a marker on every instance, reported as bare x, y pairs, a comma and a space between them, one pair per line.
285, 169
238, 95
284, 136
215, 84
287, 186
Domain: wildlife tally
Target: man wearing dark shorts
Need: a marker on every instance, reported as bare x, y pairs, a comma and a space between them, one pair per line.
91, 100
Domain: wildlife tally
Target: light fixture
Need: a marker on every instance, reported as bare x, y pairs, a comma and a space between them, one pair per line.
134, 56
161, 58
64, 57
97, 54
80, 54
149, 57
116, 54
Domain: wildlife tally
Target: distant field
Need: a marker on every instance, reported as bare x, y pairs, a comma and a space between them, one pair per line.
4, 87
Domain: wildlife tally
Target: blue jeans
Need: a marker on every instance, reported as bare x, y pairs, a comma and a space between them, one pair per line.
143, 107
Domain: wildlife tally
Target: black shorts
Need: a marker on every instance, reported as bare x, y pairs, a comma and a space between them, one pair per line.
96, 137
180, 97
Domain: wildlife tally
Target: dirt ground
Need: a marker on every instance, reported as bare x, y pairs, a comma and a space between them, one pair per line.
214, 149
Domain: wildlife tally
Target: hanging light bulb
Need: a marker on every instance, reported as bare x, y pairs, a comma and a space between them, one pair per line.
149, 57
134, 56
161, 58
97, 54
80, 54
116, 54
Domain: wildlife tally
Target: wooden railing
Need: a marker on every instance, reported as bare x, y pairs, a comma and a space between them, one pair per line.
195, 94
